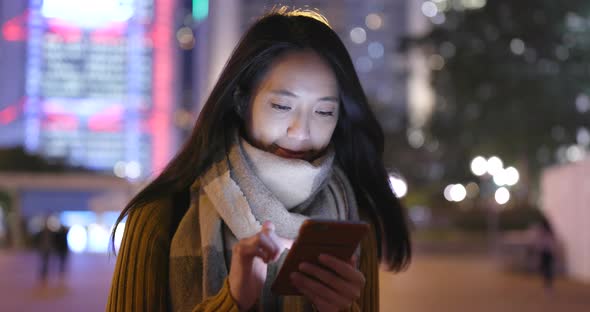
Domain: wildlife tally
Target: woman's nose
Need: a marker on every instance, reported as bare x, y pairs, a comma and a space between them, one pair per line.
299, 128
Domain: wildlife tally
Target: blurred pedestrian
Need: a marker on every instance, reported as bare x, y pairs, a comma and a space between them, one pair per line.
286, 134
61, 249
545, 244
45, 248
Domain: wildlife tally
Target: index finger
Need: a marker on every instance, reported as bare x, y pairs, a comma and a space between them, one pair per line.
267, 225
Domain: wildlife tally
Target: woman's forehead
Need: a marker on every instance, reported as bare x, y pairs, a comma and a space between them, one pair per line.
298, 74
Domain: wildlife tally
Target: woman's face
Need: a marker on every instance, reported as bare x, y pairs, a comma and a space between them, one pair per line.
294, 110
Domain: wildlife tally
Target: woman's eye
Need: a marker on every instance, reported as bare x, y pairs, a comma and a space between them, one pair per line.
280, 107
325, 113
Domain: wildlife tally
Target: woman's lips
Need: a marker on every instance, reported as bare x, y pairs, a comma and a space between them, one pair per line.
283, 152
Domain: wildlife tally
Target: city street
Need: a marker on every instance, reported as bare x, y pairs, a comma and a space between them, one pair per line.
433, 283
472, 113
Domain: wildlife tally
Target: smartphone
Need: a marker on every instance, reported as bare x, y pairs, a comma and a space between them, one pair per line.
339, 239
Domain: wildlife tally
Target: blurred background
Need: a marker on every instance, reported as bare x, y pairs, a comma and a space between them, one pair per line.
485, 107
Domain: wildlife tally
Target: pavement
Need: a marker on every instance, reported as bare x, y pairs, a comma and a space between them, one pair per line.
475, 282
434, 282
84, 288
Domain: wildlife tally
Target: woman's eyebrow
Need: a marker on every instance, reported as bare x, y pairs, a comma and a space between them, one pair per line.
291, 94
330, 99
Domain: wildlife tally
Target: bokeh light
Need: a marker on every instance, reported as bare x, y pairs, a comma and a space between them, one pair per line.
575, 153
517, 46
133, 170
502, 195
472, 190
583, 136
119, 169
399, 186
98, 238
77, 238
455, 192
53, 223
511, 176
494, 165
415, 138
438, 19
364, 64
375, 50
186, 38
429, 9
473, 4
436, 62
373, 21
479, 166
358, 35
582, 103
458, 192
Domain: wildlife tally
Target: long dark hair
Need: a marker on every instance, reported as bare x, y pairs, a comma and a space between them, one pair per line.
358, 138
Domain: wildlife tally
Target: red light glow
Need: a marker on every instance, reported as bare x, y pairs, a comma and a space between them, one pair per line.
9, 113
162, 83
109, 120
15, 29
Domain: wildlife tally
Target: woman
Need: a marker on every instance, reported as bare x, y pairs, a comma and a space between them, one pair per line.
285, 135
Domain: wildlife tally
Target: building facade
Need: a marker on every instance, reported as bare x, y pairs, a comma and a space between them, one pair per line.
90, 82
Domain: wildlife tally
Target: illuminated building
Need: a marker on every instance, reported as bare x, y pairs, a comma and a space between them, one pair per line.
90, 82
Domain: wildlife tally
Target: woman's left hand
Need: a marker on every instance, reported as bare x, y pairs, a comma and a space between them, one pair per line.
329, 290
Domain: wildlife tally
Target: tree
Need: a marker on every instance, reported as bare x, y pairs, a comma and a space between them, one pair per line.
511, 79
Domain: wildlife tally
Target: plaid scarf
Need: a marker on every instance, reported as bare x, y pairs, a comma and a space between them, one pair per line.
230, 203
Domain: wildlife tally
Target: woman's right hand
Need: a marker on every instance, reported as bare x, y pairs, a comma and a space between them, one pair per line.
250, 257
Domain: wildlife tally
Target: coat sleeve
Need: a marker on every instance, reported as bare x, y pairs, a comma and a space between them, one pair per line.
222, 302
141, 278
